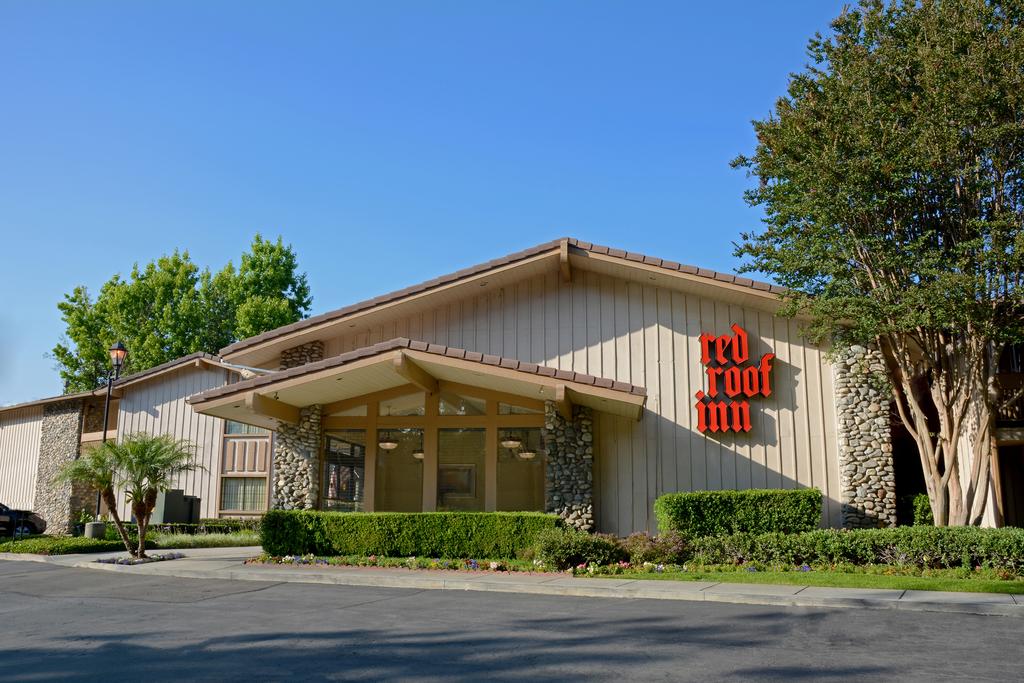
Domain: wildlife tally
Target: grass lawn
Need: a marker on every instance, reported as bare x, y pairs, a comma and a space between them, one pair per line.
65, 545
942, 580
60, 545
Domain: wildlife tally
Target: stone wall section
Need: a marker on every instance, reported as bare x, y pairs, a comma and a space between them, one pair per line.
296, 463
58, 444
569, 480
300, 355
864, 434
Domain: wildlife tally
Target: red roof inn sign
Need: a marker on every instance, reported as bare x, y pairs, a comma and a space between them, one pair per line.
731, 384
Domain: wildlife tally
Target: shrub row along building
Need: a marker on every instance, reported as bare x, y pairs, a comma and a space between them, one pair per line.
569, 377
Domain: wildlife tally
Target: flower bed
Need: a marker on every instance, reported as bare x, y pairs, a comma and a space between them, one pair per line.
162, 557
467, 564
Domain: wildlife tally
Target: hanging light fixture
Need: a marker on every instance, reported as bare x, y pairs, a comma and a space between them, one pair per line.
511, 441
527, 455
387, 443
418, 454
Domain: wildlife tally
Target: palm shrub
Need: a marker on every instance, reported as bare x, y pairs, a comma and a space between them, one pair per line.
141, 464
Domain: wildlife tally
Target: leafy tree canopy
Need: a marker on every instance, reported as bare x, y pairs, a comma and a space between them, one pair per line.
892, 178
170, 308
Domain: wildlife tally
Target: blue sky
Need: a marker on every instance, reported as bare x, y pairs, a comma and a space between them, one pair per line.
389, 142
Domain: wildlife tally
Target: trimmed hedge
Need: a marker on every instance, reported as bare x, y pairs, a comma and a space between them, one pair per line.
450, 535
922, 546
717, 513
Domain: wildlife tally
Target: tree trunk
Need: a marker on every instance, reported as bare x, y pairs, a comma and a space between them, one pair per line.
110, 500
143, 513
959, 374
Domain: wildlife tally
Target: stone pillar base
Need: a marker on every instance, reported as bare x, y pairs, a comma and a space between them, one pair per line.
569, 480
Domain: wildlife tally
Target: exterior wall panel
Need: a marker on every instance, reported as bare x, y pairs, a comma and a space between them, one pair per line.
19, 456
158, 407
649, 336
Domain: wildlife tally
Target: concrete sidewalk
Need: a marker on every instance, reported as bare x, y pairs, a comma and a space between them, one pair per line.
229, 563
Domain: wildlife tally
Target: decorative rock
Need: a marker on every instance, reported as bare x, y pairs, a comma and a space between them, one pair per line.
568, 487
865, 439
59, 438
297, 447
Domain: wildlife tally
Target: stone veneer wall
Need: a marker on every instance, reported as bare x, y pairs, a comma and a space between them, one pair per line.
296, 473
57, 503
300, 355
297, 462
569, 480
865, 439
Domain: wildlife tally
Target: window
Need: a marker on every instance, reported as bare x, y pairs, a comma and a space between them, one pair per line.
456, 404
410, 404
355, 411
399, 476
460, 469
243, 494
344, 470
233, 428
520, 470
509, 409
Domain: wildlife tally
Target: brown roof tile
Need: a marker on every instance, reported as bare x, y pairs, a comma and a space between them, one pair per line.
403, 343
490, 265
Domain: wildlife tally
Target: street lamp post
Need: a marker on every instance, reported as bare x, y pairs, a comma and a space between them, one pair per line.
118, 353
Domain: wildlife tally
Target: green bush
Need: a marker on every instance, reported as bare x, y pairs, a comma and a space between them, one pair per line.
62, 545
716, 513
668, 548
922, 547
923, 510
454, 535
563, 548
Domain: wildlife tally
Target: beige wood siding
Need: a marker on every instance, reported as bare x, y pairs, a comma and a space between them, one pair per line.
158, 407
648, 335
19, 456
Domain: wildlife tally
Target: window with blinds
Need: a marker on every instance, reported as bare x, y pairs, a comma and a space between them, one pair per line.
243, 494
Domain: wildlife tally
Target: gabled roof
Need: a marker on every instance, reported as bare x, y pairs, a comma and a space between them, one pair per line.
127, 380
399, 343
384, 366
564, 247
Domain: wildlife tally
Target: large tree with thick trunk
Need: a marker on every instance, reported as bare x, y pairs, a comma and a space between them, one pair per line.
892, 179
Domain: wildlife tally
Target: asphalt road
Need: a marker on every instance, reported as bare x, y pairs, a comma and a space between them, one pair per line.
81, 624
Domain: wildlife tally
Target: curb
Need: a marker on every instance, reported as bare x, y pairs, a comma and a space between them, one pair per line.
633, 590
590, 588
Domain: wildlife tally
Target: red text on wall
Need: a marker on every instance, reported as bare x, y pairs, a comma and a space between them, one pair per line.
732, 381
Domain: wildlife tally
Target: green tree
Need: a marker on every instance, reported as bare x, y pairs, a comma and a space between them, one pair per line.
170, 308
143, 466
892, 181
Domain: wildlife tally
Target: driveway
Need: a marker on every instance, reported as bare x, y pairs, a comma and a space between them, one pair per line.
83, 624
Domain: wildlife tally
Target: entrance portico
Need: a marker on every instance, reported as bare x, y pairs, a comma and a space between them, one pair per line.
410, 426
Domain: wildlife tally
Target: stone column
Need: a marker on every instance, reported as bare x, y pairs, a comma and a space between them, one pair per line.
58, 444
296, 464
864, 434
569, 480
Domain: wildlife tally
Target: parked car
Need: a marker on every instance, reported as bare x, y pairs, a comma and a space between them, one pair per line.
20, 522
